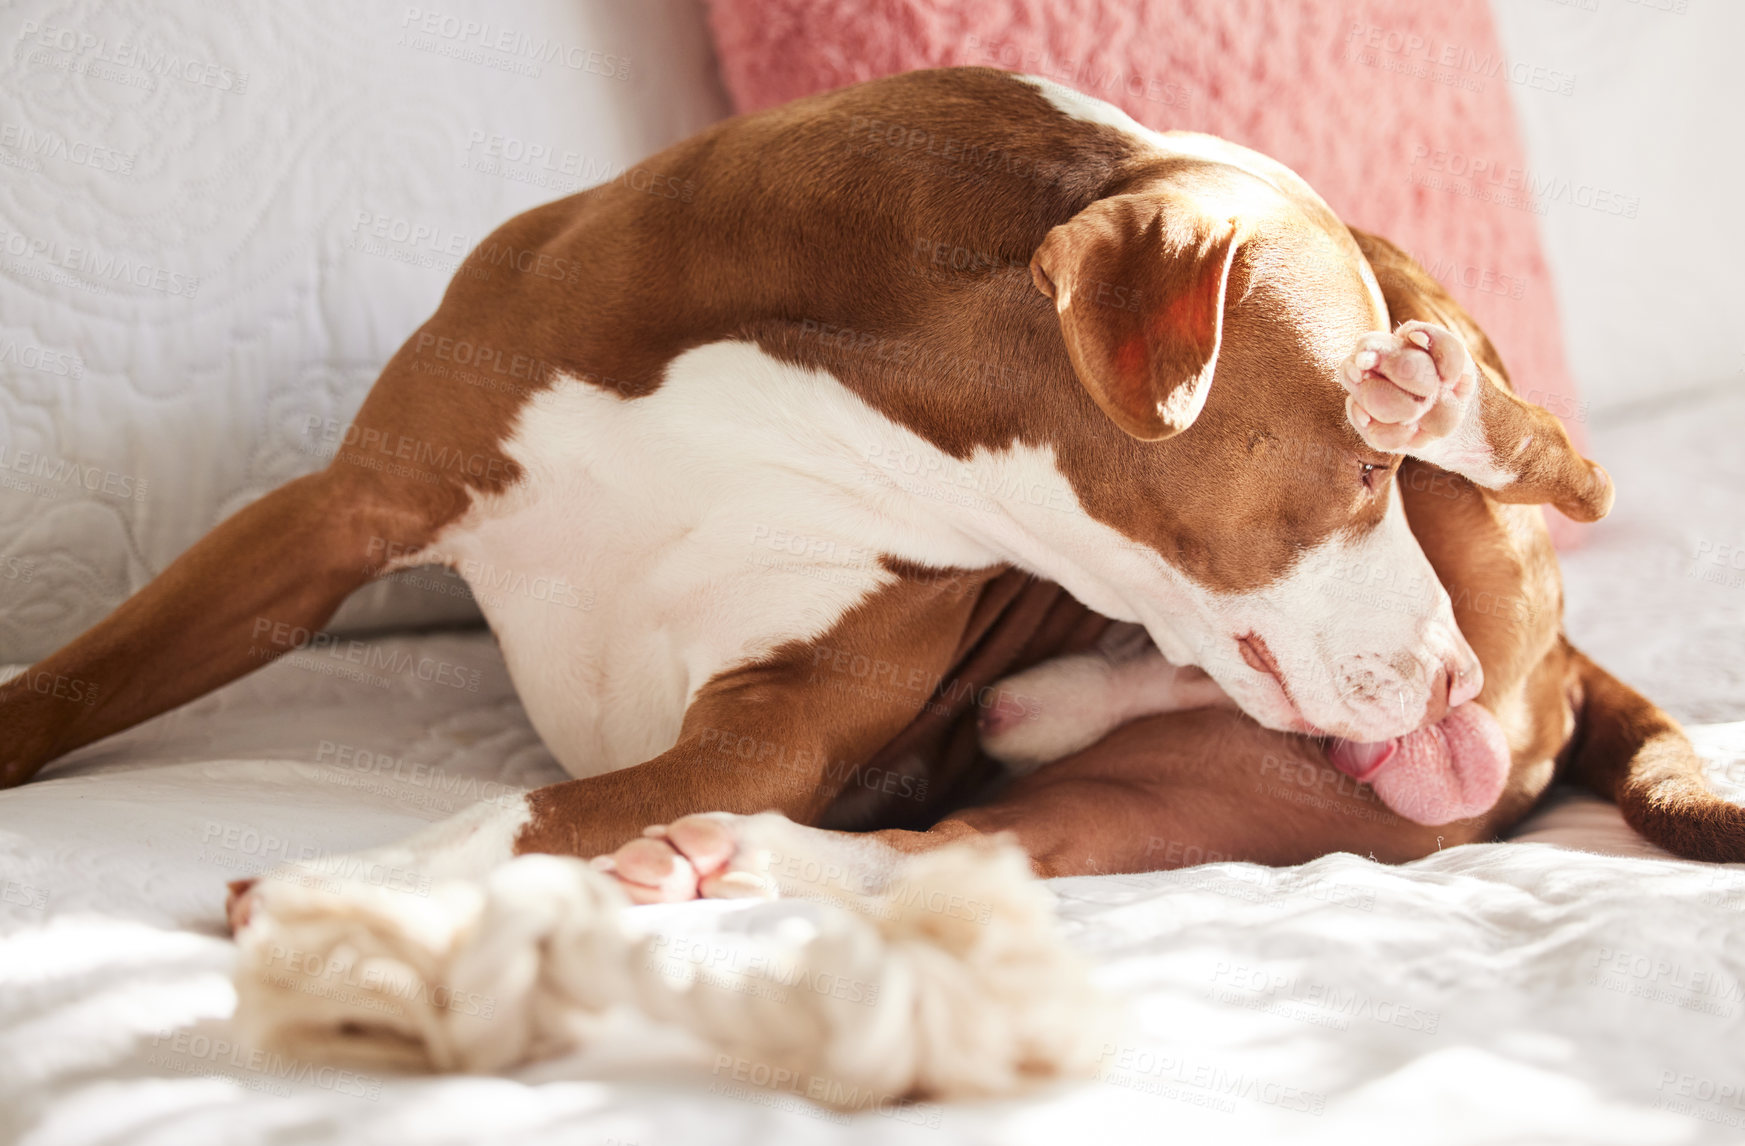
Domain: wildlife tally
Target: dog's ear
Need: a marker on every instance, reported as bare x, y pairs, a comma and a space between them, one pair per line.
1138, 281
1526, 445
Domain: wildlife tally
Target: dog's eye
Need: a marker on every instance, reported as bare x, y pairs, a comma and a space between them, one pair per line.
1373, 475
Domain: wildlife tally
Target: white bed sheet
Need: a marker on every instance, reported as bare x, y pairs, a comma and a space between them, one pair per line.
1522, 992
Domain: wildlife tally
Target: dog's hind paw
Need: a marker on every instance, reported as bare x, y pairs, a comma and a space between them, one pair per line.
1409, 388
1050, 711
1067, 704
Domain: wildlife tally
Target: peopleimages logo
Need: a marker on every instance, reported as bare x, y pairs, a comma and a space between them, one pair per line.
50, 256
412, 781
1488, 179
1448, 62
63, 473
271, 639
41, 359
80, 50
190, 1052
34, 145
517, 51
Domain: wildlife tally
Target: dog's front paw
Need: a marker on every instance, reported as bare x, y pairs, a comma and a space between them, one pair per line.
694, 857
1409, 388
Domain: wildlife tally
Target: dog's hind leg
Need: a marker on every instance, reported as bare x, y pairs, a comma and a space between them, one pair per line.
232, 603
1067, 704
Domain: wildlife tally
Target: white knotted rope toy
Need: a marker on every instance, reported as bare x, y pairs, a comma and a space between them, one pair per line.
950, 980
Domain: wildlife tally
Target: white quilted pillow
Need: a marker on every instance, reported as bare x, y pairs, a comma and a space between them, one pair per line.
217, 221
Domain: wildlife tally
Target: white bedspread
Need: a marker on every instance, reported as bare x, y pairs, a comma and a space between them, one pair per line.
1522, 992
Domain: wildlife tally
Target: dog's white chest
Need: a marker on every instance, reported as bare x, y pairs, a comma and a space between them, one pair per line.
658, 541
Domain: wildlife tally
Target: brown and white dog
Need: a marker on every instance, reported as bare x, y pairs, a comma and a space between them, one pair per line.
1129, 764
620, 389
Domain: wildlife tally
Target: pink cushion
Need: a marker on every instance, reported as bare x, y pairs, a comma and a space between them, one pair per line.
1385, 106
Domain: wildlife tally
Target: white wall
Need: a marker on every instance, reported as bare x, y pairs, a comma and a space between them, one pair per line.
1652, 305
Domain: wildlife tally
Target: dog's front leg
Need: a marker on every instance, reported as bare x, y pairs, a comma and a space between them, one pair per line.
782, 734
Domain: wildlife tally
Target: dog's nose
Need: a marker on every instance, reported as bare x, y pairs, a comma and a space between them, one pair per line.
1441, 696
1382, 693
1465, 677
1458, 681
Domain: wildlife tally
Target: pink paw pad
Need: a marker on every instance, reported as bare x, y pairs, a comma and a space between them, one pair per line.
691, 858
1408, 388
1006, 713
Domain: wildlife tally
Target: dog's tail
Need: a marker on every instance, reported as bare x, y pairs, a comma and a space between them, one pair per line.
1629, 751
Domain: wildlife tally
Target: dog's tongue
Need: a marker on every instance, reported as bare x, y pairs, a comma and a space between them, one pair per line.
1449, 771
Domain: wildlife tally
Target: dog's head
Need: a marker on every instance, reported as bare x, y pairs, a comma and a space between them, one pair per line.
1206, 313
